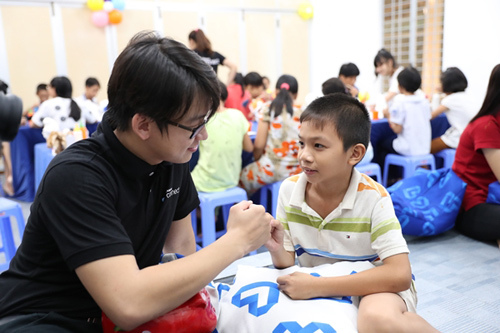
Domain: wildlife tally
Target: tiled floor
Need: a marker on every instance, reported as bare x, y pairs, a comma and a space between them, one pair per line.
457, 278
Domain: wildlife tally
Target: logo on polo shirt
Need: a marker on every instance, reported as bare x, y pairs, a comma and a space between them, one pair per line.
170, 192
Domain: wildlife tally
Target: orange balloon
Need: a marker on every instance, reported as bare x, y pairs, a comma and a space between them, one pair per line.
115, 16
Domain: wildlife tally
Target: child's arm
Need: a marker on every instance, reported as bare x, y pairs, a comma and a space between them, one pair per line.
440, 109
391, 277
396, 128
281, 257
247, 143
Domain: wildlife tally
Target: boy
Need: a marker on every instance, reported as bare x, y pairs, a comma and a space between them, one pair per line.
409, 117
88, 101
254, 87
331, 213
107, 206
348, 74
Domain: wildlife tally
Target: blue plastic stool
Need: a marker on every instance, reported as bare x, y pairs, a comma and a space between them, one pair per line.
9, 208
274, 188
448, 156
208, 202
372, 170
408, 163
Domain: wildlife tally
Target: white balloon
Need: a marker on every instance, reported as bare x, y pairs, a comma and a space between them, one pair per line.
108, 6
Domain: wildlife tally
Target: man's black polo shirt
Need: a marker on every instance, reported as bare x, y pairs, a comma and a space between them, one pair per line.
96, 200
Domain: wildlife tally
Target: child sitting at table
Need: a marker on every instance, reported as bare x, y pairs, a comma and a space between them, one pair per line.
409, 117
219, 163
43, 95
457, 105
276, 145
61, 107
332, 213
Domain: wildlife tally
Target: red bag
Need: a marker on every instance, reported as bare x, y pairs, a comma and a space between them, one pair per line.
195, 315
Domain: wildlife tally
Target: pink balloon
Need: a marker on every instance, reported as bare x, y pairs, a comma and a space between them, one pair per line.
100, 18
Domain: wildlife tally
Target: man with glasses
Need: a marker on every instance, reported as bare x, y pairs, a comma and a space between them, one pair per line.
108, 206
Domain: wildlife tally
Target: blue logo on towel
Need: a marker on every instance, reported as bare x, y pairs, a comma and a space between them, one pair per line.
294, 327
253, 300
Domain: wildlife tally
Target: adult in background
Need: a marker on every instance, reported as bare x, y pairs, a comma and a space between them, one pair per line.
107, 206
199, 43
477, 162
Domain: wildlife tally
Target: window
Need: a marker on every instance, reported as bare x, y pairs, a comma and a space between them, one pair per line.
413, 33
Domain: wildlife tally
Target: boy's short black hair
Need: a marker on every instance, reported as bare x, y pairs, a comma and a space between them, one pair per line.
92, 81
410, 79
253, 79
223, 91
159, 78
349, 70
332, 85
453, 80
348, 116
41, 86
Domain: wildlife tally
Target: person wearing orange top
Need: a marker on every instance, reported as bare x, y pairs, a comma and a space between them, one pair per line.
276, 143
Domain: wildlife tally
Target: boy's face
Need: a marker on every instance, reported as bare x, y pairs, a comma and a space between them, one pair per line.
91, 92
348, 80
43, 95
321, 154
255, 91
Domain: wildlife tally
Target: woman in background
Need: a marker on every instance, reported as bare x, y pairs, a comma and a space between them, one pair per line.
477, 162
200, 44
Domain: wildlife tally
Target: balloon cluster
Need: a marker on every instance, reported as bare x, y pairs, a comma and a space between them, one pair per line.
106, 12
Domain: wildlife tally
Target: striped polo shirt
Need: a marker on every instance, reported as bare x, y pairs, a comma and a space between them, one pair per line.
363, 227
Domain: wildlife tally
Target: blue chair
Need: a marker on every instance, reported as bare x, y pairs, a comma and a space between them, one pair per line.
9, 208
208, 202
274, 188
408, 163
448, 157
372, 170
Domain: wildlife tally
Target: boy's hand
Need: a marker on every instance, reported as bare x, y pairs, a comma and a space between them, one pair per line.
275, 242
297, 285
250, 224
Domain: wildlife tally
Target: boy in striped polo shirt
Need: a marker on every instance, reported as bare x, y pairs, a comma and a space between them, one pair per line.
332, 213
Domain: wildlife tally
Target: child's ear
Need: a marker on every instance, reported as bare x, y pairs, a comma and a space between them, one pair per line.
357, 153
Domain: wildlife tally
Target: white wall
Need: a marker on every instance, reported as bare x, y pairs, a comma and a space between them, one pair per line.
472, 41
345, 31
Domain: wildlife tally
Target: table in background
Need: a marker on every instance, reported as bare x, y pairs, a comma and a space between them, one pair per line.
23, 160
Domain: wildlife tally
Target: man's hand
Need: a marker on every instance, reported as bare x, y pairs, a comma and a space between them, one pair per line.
250, 224
297, 285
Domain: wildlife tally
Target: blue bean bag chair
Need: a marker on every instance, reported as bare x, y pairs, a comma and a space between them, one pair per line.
428, 203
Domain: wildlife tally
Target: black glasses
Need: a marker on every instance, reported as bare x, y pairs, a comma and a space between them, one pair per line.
194, 131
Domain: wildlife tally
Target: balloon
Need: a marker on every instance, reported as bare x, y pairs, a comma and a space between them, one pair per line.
100, 18
95, 4
115, 16
108, 6
119, 4
306, 10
